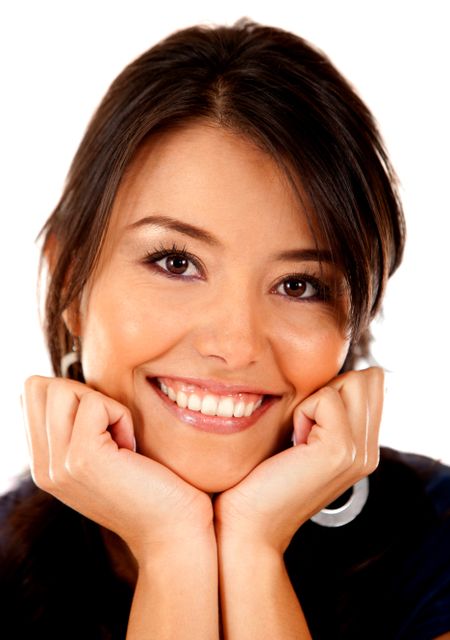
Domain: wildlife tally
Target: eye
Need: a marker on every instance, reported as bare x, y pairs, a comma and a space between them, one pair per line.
177, 264
303, 287
173, 262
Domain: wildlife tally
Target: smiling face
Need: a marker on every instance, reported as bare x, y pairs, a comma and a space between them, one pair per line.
209, 287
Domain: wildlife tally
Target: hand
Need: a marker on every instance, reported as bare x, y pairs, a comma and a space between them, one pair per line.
336, 431
82, 451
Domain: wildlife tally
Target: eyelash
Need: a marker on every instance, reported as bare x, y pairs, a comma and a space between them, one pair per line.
323, 291
165, 252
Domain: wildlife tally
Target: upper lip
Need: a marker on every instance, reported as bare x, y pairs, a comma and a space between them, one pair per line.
215, 386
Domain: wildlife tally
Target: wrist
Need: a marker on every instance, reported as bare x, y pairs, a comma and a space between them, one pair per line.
176, 590
271, 542
184, 547
248, 553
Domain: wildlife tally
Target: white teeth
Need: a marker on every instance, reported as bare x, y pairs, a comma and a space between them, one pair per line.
182, 399
211, 405
172, 395
225, 407
249, 409
239, 409
194, 402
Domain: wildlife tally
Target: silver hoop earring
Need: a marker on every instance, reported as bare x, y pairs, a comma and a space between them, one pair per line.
348, 512
70, 358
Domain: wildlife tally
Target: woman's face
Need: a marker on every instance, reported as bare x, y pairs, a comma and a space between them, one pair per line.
244, 316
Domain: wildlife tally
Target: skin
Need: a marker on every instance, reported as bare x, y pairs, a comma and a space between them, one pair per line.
231, 320
233, 329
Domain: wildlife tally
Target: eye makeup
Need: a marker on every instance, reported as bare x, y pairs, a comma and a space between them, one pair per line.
180, 264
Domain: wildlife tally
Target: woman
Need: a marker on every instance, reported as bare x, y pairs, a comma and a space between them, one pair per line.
206, 458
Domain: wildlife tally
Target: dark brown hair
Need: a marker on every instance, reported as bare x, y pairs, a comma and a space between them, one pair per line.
284, 95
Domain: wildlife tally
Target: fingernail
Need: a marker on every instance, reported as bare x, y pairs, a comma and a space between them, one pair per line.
134, 444
294, 439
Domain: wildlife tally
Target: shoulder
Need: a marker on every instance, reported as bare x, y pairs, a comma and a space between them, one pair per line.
54, 568
390, 565
33, 520
34, 531
410, 494
23, 509
429, 476
423, 564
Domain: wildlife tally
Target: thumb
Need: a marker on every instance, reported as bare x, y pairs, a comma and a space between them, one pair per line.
302, 426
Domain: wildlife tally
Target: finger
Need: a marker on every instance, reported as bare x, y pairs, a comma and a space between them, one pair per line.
98, 419
302, 427
362, 392
123, 435
34, 403
331, 427
352, 387
375, 386
61, 406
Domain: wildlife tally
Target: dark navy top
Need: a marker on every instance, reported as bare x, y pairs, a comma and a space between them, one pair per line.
386, 575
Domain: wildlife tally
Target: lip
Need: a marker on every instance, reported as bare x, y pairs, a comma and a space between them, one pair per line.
219, 388
213, 424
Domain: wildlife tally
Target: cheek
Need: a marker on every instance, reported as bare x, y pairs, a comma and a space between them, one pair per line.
312, 356
122, 329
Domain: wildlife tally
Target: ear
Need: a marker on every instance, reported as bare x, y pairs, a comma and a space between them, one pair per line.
71, 318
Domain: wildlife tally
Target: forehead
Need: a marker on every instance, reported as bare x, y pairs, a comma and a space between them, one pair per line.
202, 172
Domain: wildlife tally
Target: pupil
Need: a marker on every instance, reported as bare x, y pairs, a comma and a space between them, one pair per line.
295, 287
177, 264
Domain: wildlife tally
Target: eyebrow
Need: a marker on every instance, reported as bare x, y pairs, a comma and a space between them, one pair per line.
167, 222
177, 225
305, 255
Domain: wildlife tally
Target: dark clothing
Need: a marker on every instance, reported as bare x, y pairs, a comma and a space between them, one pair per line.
386, 575
56, 581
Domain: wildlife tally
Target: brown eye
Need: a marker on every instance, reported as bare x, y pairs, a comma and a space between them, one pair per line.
296, 287
176, 264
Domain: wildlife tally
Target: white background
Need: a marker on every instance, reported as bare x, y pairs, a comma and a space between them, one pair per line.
57, 60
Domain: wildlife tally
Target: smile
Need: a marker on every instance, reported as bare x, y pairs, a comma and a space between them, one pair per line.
225, 412
209, 404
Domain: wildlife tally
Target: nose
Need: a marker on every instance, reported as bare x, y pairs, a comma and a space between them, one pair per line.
232, 329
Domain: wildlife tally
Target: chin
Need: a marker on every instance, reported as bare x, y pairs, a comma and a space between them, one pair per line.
213, 482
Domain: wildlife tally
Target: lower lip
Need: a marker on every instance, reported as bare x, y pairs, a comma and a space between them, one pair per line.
213, 424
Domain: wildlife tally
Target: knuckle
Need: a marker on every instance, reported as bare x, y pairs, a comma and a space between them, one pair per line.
376, 372
90, 397
343, 455
372, 461
371, 467
58, 476
40, 478
375, 375
353, 375
56, 385
76, 466
356, 380
34, 385
349, 455
366, 462
328, 393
